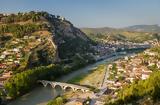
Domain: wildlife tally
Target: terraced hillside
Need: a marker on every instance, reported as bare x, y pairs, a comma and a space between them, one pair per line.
39, 38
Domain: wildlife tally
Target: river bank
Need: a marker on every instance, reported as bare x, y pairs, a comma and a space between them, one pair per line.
93, 78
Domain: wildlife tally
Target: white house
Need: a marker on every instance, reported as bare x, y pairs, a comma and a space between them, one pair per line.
145, 74
158, 64
16, 50
2, 56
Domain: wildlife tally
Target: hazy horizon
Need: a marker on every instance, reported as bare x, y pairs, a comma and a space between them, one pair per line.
93, 13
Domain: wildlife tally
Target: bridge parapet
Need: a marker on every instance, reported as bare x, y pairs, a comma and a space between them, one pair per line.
64, 86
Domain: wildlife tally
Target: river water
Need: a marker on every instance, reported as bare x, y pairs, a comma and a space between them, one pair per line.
41, 95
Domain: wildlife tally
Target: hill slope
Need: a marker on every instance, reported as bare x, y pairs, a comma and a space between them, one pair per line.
39, 38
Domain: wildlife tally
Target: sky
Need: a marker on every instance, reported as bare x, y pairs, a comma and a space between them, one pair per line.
92, 13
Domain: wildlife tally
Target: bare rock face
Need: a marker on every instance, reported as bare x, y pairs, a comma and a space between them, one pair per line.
68, 39
67, 29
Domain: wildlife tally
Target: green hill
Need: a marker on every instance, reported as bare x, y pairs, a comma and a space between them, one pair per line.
39, 38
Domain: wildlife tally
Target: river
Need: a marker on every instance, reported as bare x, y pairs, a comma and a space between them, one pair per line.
41, 95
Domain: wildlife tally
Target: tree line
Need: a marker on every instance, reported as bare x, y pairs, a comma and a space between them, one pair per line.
19, 31
32, 15
23, 82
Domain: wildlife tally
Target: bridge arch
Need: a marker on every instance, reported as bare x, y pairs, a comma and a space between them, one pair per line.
68, 87
57, 85
44, 83
52, 85
77, 89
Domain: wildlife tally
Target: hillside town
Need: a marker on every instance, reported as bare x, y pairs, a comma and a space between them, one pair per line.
119, 74
111, 47
18, 54
130, 69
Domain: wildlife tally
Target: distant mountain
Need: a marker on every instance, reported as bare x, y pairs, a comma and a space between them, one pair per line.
144, 28
135, 28
137, 33
100, 30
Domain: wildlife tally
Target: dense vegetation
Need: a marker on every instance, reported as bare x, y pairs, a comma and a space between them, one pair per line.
64, 49
4, 39
19, 31
33, 16
156, 49
23, 82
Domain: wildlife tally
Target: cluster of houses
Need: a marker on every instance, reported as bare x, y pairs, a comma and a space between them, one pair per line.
10, 57
4, 76
130, 69
17, 53
103, 49
152, 58
112, 46
13, 56
126, 71
127, 45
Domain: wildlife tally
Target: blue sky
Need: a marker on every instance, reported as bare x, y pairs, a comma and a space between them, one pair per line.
93, 13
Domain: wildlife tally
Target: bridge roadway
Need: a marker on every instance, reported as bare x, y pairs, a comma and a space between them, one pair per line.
64, 85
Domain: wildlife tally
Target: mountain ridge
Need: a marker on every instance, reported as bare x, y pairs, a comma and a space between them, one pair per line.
137, 33
143, 28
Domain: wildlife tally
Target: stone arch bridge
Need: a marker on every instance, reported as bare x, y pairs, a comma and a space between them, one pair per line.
64, 85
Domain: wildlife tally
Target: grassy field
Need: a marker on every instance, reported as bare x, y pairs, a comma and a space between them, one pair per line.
92, 78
